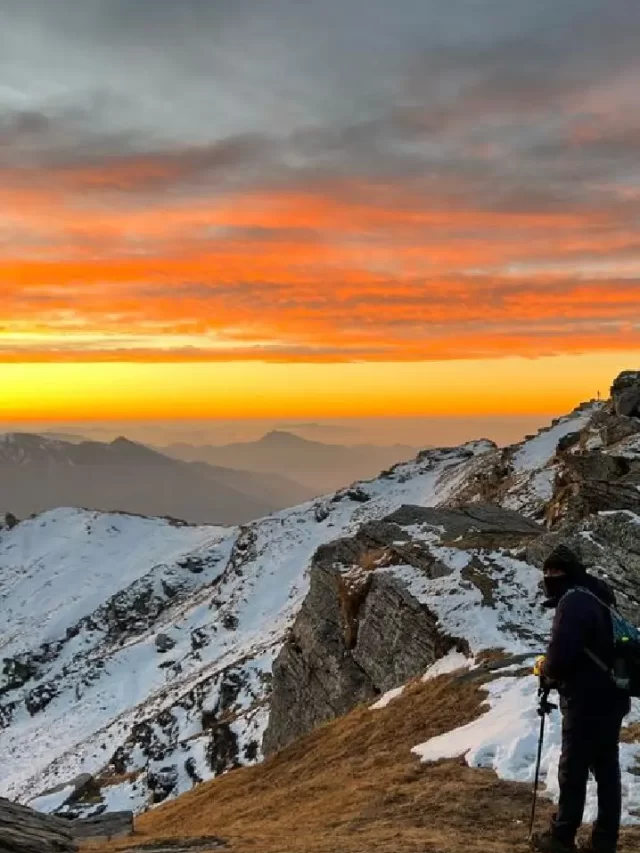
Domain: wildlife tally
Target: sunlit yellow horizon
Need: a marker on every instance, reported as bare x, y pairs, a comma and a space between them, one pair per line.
192, 390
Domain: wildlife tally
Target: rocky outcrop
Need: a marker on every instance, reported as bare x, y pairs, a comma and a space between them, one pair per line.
625, 394
478, 525
360, 631
609, 545
594, 482
599, 471
25, 831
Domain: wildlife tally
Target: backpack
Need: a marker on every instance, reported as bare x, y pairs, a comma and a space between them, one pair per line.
625, 672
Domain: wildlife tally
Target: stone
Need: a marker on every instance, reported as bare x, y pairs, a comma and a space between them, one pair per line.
164, 643
478, 525
609, 546
593, 482
162, 782
23, 830
625, 394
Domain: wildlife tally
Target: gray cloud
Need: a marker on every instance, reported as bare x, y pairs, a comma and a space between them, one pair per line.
478, 103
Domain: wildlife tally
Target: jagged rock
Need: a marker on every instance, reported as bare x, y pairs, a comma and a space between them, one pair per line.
625, 393
616, 429
333, 658
38, 699
191, 770
162, 782
164, 643
17, 672
609, 545
8, 521
489, 520
23, 830
222, 750
354, 493
593, 481
199, 639
321, 512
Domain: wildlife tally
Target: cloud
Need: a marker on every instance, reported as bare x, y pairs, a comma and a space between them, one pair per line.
319, 181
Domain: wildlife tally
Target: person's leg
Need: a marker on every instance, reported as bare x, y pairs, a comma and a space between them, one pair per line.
606, 768
573, 775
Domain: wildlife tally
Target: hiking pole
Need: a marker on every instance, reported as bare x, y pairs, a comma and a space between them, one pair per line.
544, 707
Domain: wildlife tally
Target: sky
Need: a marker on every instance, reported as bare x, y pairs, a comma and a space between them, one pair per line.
274, 208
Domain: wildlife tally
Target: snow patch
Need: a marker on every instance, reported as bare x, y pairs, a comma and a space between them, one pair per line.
449, 663
387, 698
505, 739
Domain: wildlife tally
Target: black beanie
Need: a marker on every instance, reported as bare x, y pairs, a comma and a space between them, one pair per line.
565, 560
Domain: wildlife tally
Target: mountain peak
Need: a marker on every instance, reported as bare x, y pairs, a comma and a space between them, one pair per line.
283, 438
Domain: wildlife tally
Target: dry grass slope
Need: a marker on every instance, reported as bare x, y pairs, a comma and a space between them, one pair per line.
353, 786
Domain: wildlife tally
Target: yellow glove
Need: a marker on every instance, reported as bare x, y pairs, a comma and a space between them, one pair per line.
538, 667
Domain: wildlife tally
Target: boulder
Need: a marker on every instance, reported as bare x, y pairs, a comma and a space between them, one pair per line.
625, 394
164, 643
162, 782
593, 482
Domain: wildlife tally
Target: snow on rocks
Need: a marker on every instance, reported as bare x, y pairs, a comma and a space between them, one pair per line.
84, 688
522, 477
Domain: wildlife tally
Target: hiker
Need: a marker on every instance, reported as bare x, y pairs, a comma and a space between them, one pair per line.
592, 706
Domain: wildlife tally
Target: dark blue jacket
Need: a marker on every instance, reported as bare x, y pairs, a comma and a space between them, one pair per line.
582, 622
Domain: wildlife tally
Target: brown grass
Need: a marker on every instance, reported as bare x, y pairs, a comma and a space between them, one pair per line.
631, 734
353, 786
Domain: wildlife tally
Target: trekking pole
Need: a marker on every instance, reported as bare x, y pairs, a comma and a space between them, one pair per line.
544, 707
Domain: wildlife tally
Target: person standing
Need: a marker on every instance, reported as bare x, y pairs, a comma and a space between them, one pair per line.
592, 707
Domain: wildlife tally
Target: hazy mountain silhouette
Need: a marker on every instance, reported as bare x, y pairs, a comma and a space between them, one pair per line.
39, 473
321, 467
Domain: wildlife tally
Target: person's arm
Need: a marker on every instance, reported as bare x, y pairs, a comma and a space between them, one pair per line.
568, 635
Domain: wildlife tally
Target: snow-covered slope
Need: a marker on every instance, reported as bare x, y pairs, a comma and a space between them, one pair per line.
142, 652
522, 476
149, 647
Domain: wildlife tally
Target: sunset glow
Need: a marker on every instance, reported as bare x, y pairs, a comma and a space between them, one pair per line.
416, 219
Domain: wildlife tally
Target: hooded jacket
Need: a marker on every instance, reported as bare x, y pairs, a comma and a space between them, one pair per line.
583, 622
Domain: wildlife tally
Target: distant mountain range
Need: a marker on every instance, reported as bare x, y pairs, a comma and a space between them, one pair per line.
38, 473
319, 467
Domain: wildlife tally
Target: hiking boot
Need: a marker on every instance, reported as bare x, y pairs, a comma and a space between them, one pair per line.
546, 842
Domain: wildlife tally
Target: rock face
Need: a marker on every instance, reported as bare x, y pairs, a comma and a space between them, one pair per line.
25, 831
625, 394
360, 631
599, 471
609, 545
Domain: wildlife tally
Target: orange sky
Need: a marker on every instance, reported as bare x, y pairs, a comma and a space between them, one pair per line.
379, 221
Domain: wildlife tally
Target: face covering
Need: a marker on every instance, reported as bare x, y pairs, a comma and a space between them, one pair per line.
556, 586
